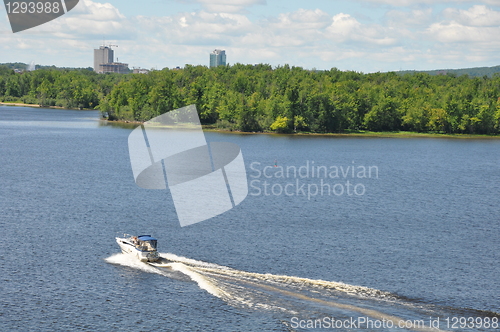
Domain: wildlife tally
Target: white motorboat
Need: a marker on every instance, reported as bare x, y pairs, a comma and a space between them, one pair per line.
142, 247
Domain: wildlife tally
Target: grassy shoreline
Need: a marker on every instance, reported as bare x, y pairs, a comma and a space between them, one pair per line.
359, 133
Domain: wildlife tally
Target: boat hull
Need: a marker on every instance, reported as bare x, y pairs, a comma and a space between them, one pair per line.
129, 249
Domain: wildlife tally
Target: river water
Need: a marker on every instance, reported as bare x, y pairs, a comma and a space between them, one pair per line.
334, 230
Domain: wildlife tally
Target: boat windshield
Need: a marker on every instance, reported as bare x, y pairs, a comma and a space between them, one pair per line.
148, 245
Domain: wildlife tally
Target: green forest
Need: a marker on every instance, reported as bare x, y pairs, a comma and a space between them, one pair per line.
284, 99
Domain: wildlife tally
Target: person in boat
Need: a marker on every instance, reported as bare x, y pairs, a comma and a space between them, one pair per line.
135, 240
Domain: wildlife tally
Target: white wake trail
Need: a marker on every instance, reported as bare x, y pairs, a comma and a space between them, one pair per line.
127, 260
203, 282
266, 291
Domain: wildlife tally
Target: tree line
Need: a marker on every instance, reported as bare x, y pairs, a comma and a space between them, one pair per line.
284, 99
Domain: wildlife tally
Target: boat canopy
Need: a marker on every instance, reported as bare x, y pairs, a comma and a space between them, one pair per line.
146, 238
147, 242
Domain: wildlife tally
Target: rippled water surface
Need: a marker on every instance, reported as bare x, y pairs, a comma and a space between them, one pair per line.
418, 237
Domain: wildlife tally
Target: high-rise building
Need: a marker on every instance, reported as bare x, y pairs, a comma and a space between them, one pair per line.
102, 55
217, 58
114, 67
104, 61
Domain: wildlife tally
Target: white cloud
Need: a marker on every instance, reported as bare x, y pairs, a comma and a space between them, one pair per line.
197, 28
415, 18
408, 38
87, 20
298, 28
346, 28
228, 6
303, 19
96, 11
475, 26
478, 15
454, 32
343, 27
408, 3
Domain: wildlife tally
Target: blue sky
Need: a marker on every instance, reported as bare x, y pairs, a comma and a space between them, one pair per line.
360, 35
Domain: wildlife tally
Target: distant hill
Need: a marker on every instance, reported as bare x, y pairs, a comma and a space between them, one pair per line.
472, 72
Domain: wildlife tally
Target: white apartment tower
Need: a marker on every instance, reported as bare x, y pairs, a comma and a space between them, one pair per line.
217, 58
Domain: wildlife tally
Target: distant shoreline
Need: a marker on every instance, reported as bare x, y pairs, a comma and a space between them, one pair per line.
38, 106
361, 133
